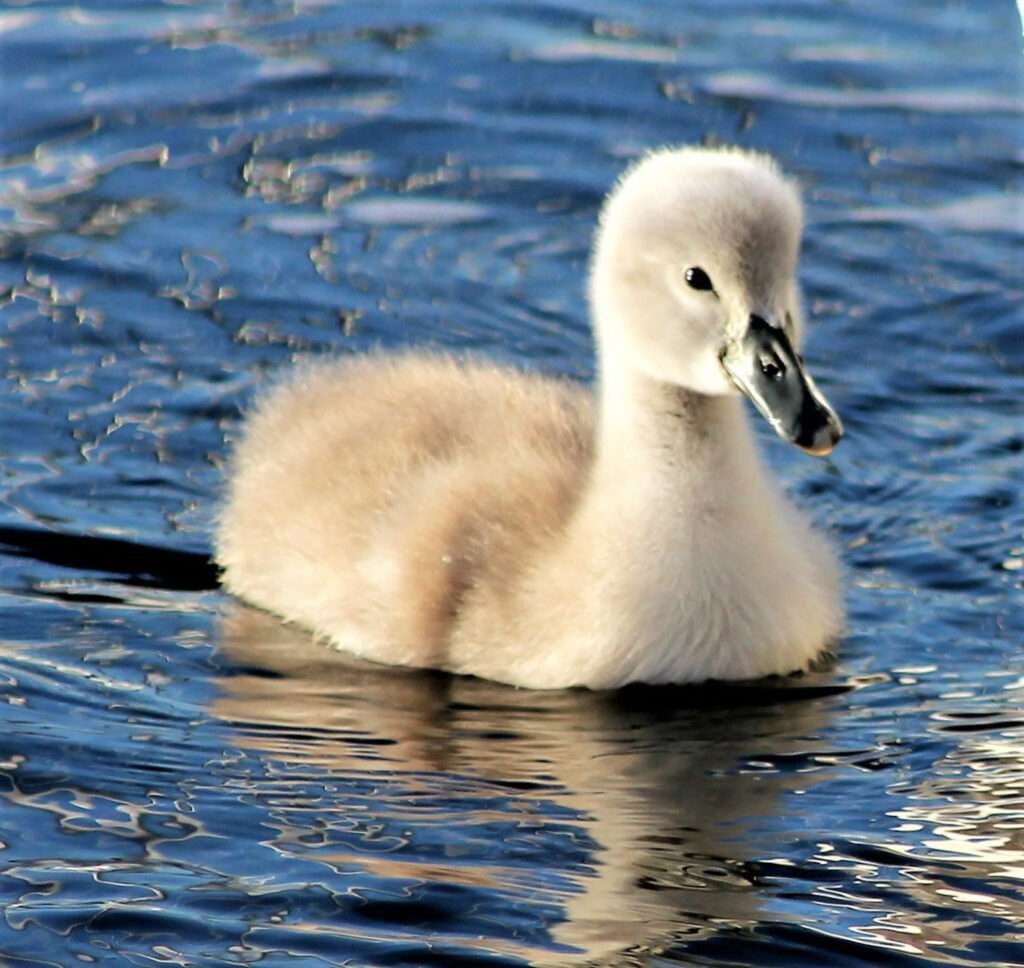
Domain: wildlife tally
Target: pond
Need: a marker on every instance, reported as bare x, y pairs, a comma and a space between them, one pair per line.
195, 193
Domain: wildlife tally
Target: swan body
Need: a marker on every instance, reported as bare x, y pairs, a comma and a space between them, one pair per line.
430, 511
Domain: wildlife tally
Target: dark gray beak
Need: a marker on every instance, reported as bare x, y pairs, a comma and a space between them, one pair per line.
764, 365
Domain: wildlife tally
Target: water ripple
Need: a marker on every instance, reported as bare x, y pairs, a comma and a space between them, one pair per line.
192, 195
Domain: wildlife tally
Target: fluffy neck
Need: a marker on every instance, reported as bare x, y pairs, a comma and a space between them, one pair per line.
661, 440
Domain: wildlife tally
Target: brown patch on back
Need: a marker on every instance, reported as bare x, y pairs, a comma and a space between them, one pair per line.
402, 494
474, 537
476, 513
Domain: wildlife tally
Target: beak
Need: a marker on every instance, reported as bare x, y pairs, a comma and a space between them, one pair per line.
764, 365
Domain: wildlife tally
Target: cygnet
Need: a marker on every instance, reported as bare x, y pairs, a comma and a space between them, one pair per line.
434, 511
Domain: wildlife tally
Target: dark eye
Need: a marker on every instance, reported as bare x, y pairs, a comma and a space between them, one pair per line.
697, 278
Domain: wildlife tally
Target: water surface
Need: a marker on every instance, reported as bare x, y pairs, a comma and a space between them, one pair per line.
193, 194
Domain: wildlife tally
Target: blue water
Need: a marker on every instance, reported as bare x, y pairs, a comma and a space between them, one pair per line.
194, 193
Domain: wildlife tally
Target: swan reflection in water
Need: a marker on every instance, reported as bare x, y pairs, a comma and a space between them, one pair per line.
598, 823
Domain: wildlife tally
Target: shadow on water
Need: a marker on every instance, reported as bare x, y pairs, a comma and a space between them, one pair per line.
133, 562
621, 828
628, 811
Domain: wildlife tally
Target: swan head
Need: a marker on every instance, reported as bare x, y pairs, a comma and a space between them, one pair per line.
693, 283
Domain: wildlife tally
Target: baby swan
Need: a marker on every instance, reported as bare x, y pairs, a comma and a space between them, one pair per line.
427, 511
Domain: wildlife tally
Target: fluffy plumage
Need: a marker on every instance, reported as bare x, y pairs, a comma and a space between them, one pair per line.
427, 511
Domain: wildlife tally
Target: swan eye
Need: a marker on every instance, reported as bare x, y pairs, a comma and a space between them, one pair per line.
697, 278
772, 367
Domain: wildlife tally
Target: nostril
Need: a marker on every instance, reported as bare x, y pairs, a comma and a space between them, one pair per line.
772, 367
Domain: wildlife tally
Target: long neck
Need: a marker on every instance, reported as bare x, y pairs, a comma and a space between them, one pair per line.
660, 440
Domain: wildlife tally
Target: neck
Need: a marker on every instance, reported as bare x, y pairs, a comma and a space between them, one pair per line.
661, 435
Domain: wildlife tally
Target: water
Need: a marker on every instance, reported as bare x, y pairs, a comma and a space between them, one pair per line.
193, 193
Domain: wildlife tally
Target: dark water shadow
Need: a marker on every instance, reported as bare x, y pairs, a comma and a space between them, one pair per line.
650, 786
134, 563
